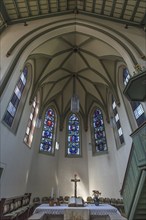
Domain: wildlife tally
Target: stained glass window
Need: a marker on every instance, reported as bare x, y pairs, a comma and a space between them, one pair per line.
126, 76
73, 136
31, 123
117, 121
137, 107
48, 133
15, 100
99, 132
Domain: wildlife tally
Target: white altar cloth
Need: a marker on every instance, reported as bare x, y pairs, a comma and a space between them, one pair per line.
101, 210
76, 214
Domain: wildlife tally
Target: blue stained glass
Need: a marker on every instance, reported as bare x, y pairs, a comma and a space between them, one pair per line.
8, 118
99, 131
15, 100
73, 135
126, 76
18, 92
48, 132
25, 72
21, 84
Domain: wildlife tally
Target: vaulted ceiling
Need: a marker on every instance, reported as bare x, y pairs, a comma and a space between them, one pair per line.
77, 63
75, 60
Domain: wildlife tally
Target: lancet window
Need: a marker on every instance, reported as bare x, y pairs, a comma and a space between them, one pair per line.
73, 136
15, 100
117, 121
98, 132
31, 123
47, 144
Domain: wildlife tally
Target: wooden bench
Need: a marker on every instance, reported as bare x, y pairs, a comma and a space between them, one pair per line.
16, 208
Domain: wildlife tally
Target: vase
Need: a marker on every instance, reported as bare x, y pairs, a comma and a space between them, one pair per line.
96, 201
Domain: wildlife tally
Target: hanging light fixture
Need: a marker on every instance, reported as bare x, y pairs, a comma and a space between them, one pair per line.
75, 103
74, 99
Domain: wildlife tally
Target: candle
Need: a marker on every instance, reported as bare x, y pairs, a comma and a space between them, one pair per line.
58, 193
52, 192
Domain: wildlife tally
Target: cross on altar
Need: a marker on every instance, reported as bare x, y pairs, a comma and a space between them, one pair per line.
75, 180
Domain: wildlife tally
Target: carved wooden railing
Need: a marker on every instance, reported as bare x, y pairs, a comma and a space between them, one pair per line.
135, 176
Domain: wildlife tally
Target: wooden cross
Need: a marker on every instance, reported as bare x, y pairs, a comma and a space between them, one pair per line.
75, 180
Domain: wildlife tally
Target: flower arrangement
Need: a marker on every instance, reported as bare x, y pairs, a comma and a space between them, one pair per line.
96, 193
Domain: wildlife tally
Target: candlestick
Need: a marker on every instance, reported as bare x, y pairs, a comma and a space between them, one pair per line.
52, 192
58, 193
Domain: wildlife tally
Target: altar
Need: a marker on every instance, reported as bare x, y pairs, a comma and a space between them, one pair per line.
88, 212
